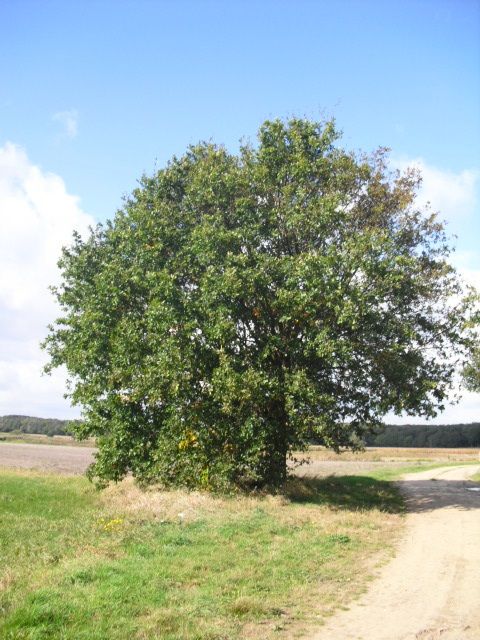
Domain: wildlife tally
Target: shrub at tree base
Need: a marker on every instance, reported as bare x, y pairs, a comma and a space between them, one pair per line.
239, 305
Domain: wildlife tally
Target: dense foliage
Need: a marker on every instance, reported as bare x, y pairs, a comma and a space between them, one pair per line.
471, 372
422, 435
239, 305
29, 424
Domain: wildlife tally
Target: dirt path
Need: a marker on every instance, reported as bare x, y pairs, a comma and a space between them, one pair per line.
46, 457
431, 589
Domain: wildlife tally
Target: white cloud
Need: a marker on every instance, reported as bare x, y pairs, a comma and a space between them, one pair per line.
69, 122
453, 195
467, 263
467, 410
456, 198
37, 217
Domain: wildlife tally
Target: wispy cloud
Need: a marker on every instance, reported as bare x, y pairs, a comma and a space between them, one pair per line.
69, 122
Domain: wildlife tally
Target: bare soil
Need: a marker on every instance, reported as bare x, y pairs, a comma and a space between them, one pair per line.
431, 589
54, 458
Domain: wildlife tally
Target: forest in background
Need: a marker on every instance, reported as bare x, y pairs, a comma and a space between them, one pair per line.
29, 424
409, 435
421, 435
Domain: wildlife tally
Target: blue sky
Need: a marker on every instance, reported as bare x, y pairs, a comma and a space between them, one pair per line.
93, 94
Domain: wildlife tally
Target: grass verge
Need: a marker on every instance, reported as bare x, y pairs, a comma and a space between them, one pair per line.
395, 473
77, 564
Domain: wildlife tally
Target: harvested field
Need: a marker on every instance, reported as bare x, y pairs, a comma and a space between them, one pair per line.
391, 454
65, 459
320, 462
41, 438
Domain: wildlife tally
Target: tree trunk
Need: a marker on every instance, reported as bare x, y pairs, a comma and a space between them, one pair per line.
275, 469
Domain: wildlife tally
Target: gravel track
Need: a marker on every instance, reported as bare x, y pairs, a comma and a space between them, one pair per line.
431, 589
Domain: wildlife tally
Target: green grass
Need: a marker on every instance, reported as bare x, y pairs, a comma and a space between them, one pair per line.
389, 474
356, 492
75, 566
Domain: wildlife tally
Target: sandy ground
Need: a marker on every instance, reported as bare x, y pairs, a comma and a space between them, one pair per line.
431, 589
46, 457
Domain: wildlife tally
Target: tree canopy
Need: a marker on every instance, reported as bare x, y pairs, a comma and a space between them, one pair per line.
471, 372
240, 304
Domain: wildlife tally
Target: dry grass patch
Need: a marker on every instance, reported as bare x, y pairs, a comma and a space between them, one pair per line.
180, 505
127, 497
392, 454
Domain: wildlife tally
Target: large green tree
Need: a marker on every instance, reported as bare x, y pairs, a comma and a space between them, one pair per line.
239, 305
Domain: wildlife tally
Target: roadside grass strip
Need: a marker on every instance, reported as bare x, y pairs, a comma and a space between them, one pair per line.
391, 474
78, 564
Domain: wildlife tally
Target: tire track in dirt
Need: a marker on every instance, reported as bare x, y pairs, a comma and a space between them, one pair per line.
431, 589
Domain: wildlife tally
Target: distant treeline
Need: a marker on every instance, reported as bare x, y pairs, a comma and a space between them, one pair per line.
405, 435
420, 435
28, 424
